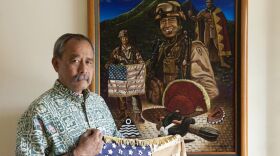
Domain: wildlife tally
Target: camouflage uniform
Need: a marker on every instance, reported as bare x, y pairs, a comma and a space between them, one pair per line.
180, 57
125, 55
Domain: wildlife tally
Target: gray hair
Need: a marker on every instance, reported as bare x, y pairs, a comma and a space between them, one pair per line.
62, 40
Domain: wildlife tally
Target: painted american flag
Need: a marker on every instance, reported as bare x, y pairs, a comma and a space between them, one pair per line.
126, 80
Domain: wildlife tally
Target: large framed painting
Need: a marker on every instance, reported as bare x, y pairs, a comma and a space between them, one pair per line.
174, 67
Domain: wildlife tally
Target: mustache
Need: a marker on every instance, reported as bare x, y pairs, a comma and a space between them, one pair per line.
81, 77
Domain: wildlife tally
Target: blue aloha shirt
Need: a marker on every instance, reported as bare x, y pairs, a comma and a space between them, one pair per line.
53, 122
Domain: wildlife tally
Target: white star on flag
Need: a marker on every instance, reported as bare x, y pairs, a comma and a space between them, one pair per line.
120, 151
114, 145
110, 151
123, 146
130, 152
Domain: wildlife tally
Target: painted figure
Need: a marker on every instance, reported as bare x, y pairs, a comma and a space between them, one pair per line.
127, 54
177, 56
212, 31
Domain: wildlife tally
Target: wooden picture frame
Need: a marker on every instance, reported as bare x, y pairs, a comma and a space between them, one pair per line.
239, 72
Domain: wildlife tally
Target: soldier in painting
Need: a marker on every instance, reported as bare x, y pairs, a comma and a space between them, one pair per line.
126, 54
177, 56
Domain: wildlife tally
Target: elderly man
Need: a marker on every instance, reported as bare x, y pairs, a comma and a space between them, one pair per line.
67, 119
177, 57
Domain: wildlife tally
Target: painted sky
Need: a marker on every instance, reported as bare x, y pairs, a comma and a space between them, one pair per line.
113, 8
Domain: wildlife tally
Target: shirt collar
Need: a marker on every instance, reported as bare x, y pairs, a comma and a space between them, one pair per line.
211, 9
64, 91
126, 47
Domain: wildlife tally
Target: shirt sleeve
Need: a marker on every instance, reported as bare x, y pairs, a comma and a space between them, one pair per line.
139, 57
112, 58
201, 69
31, 139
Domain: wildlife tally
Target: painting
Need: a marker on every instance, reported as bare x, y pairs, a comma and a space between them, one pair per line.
158, 58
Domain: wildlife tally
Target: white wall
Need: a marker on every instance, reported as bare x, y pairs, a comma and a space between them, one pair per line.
273, 77
28, 30
264, 76
257, 82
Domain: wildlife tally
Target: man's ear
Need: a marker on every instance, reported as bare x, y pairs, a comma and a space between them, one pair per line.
55, 63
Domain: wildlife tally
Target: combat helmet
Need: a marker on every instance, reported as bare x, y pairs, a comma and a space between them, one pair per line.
123, 33
209, 1
169, 9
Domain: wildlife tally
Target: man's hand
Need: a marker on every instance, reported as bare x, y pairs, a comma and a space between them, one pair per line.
90, 143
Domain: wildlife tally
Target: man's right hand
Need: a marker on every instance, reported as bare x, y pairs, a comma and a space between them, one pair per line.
90, 143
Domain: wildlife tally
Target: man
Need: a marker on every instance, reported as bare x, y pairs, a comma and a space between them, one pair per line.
68, 118
212, 31
177, 57
127, 54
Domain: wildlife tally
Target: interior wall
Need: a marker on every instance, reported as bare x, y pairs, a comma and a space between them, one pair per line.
28, 30
273, 77
258, 43
264, 75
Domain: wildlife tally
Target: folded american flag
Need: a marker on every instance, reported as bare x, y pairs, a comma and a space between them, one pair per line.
168, 145
126, 80
114, 149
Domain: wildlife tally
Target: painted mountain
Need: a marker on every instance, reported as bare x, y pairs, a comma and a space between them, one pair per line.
140, 24
143, 31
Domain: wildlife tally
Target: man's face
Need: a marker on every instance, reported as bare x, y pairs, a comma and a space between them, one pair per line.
209, 5
169, 26
124, 40
75, 67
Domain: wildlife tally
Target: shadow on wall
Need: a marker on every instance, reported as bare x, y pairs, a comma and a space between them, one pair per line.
8, 121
